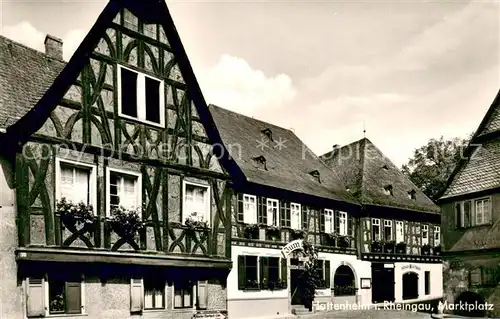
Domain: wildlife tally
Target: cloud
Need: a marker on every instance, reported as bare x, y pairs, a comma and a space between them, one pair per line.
232, 83
25, 33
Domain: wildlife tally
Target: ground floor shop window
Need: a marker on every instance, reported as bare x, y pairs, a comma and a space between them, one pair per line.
263, 272
410, 286
344, 282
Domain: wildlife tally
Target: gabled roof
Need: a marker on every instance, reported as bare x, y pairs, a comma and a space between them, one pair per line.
369, 175
25, 75
479, 168
288, 167
52, 86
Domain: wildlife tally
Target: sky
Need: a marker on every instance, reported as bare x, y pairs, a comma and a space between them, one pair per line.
404, 71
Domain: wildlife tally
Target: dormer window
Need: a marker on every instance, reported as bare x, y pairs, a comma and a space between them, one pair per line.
385, 167
267, 132
347, 188
315, 174
388, 190
261, 162
412, 194
140, 97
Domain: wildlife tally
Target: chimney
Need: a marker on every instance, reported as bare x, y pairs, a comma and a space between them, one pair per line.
336, 146
54, 47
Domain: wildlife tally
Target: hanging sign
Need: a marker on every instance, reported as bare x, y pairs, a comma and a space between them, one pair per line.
292, 246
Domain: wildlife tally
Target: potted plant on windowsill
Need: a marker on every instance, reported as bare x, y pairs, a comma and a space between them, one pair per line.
251, 231
401, 248
72, 214
426, 249
195, 222
276, 285
273, 232
343, 241
437, 250
389, 246
297, 234
376, 246
126, 223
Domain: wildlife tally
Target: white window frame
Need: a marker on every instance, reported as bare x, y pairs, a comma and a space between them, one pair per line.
92, 179
297, 209
425, 230
376, 222
476, 201
343, 217
270, 222
141, 97
144, 296
388, 223
329, 213
193, 295
437, 231
45, 283
207, 214
249, 216
400, 235
110, 170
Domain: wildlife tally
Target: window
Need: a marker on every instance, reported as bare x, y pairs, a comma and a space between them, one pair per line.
272, 212
248, 277
183, 294
400, 232
467, 214
328, 221
483, 211
412, 194
124, 190
341, 223
269, 273
141, 97
295, 216
459, 222
427, 282
65, 294
388, 230
425, 234
285, 214
344, 281
388, 190
437, 235
154, 293
76, 182
260, 162
375, 229
268, 133
196, 204
324, 275
249, 209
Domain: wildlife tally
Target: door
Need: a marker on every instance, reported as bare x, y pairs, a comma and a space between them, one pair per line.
410, 286
382, 282
295, 275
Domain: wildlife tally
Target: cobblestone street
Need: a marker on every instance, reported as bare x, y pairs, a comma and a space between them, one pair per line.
368, 314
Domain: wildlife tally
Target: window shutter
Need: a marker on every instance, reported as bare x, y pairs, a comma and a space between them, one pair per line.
284, 272
467, 214
136, 295
322, 221
202, 294
241, 273
239, 208
262, 210
264, 272
337, 222
73, 297
350, 225
305, 225
327, 273
283, 213
35, 304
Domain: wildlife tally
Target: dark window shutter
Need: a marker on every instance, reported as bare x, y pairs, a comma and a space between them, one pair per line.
322, 221
282, 213
288, 214
327, 273
73, 297
305, 212
239, 207
264, 272
128, 92
284, 272
241, 273
136, 299
467, 214
458, 215
202, 294
262, 210
152, 100
337, 222
35, 306
350, 225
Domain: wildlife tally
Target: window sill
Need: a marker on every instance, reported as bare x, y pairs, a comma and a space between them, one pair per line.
139, 121
62, 315
155, 310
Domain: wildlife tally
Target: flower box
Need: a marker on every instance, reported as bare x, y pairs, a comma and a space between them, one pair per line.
376, 247
126, 223
401, 248
251, 231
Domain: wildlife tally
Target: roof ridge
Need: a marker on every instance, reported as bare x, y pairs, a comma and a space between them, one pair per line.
362, 143
4, 38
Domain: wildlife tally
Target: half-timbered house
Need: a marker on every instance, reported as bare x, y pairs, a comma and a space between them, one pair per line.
287, 194
471, 227
399, 226
114, 203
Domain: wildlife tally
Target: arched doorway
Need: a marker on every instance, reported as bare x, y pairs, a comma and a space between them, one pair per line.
410, 285
469, 297
344, 282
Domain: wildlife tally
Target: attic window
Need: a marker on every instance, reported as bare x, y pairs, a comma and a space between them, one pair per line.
385, 167
261, 162
267, 132
347, 188
388, 190
315, 174
412, 194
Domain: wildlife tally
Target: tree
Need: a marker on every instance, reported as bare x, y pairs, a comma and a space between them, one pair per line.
432, 164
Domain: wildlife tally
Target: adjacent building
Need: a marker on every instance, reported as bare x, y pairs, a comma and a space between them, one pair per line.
470, 208
399, 226
113, 203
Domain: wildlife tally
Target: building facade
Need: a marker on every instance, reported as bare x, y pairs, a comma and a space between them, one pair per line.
113, 203
470, 216
399, 226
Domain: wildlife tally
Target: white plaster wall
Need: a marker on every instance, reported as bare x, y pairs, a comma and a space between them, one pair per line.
436, 280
